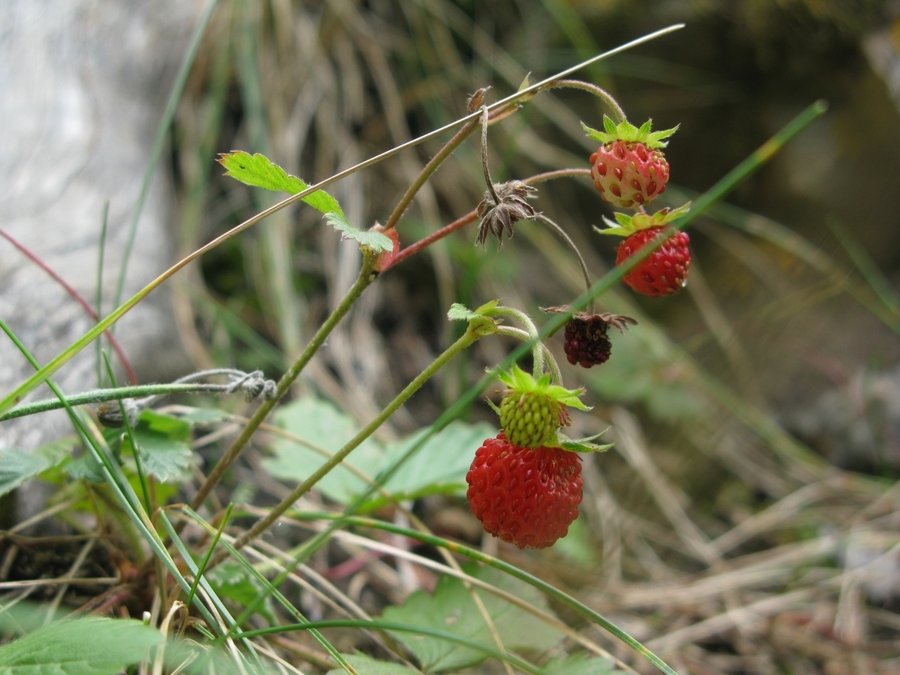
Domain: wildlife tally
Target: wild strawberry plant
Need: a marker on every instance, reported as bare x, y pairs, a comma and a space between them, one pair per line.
524, 482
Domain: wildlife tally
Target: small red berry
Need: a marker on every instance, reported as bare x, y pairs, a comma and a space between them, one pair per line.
629, 168
628, 175
525, 496
665, 270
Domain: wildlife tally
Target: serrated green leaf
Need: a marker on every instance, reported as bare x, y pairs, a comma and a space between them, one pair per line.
459, 312
232, 581
258, 170
86, 468
450, 608
320, 424
17, 466
440, 465
85, 646
367, 665
163, 446
377, 241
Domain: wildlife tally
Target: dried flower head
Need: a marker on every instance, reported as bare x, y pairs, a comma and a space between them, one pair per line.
502, 207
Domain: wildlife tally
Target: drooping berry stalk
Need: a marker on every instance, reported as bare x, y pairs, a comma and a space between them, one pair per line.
477, 329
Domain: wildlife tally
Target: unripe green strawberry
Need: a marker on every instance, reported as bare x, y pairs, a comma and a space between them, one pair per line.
530, 419
525, 496
665, 270
629, 168
532, 410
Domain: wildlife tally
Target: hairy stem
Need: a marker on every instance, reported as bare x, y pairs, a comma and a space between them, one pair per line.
427, 171
466, 340
367, 275
599, 92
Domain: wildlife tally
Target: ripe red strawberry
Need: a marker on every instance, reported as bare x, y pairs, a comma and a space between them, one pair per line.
663, 271
586, 337
629, 168
526, 496
532, 410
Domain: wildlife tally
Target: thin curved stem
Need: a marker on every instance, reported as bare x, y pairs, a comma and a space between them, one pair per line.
523, 336
571, 244
367, 276
599, 92
484, 156
531, 335
427, 171
152, 391
465, 341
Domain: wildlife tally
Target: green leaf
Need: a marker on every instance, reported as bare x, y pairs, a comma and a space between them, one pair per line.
581, 664
17, 466
459, 312
86, 468
451, 608
371, 666
440, 465
258, 170
85, 646
163, 446
377, 241
230, 580
320, 424
579, 546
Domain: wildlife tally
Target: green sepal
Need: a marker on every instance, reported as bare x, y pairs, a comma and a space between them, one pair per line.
519, 381
582, 445
626, 131
479, 319
626, 225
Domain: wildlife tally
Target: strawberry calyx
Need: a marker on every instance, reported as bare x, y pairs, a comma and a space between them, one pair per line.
626, 131
521, 382
625, 225
532, 410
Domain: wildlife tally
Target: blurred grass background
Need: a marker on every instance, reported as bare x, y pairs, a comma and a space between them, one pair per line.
747, 519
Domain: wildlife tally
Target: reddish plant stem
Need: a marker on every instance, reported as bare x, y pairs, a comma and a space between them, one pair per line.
426, 241
472, 216
76, 296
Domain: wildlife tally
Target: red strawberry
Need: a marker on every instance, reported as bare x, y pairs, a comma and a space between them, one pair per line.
663, 271
629, 168
526, 496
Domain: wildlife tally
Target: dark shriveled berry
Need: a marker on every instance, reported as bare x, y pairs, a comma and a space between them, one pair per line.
587, 337
587, 342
